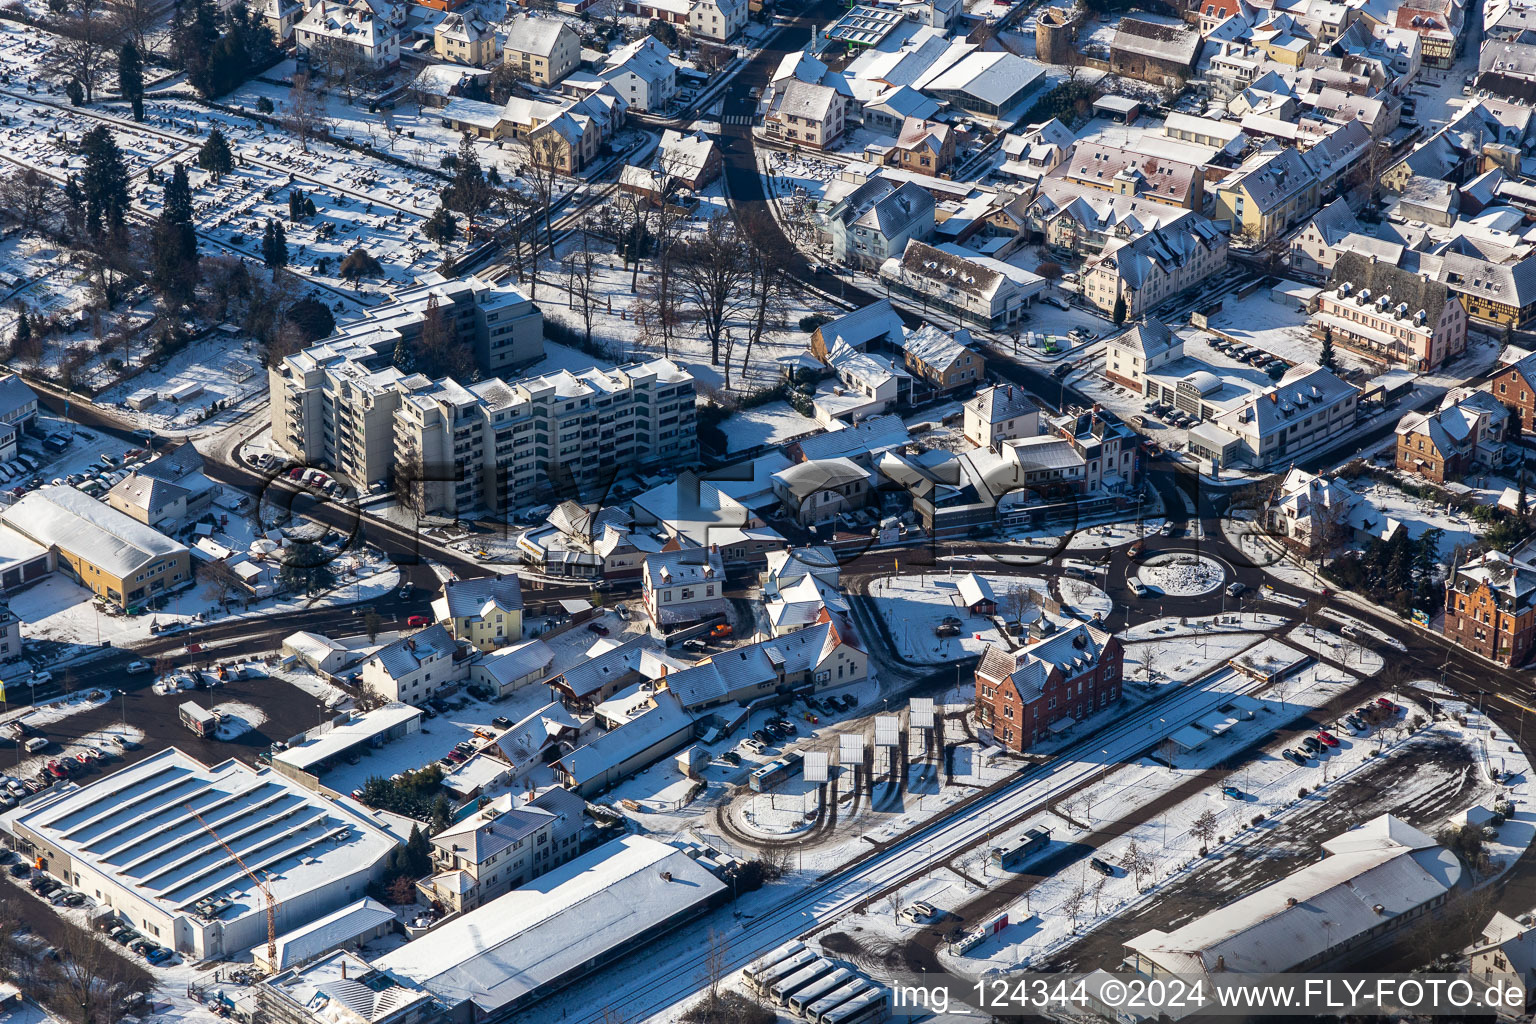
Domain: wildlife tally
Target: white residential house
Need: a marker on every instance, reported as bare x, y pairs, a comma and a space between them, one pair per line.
415, 667
807, 114
1001, 413
375, 37
1129, 357
544, 50
821, 489
719, 21
466, 39
505, 843
643, 74
683, 586
1315, 248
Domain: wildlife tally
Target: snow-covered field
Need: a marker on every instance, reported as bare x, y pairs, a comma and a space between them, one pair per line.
773, 423
1419, 516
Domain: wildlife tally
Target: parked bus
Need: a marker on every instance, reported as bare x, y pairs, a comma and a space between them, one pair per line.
783, 969
792, 983
774, 773
819, 988
778, 956
863, 1009
837, 997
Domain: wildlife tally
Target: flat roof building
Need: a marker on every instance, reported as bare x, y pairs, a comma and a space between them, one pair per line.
495, 961
133, 842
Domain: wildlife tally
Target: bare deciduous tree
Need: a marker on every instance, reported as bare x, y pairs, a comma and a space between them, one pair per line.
83, 49
715, 276
29, 197
1204, 828
305, 114
1072, 906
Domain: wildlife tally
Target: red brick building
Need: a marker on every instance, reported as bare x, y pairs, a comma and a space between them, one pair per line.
1515, 388
1072, 675
1490, 608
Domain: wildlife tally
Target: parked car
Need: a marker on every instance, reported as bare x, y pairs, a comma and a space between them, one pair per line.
1293, 756
1311, 744
39, 678
754, 744
1327, 738
731, 758
762, 737
415, 621
1101, 866
1232, 791
1236, 589
21, 869
598, 628
1385, 704
502, 722
1356, 723
1138, 588
159, 955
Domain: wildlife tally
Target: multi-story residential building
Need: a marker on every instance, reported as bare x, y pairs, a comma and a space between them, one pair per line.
643, 74
944, 359
806, 114
281, 16
496, 443
878, 219
500, 846
1084, 220
1267, 195
466, 39
1318, 515
1490, 608
719, 21
924, 146
486, 611
1514, 385
683, 585
354, 25
543, 50
975, 289
1107, 446
1309, 405
1021, 695
1126, 172
1386, 313
1148, 345
821, 489
1314, 248
1451, 442
1001, 413
414, 668
1145, 271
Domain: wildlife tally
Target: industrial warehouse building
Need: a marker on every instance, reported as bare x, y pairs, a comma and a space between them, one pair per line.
116, 556
1372, 880
495, 961
133, 842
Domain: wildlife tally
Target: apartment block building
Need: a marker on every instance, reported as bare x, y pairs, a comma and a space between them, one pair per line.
494, 443
499, 847
1022, 695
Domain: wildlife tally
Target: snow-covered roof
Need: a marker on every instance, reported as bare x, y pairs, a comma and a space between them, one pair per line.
808, 477
531, 938
525, 739
530, 34
136, 828
611, 749
1002, 402
63, 517
863, 325
475, 598
332, 930
409, 653
15, 395
512, 663
341, 736
1379, 873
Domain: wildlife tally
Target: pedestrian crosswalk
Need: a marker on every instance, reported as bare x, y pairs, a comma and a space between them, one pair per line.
737, 119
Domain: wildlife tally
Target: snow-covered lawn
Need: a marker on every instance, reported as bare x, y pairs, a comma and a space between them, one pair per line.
1182, 575
773, 423
1419, 516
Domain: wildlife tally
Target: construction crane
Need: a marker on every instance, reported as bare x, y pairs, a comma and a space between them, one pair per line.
261, 887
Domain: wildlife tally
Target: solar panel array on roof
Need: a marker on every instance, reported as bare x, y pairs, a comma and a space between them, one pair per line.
850, 749
887, 728
816, 766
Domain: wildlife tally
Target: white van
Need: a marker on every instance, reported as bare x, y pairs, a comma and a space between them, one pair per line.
137, 667
36, 744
